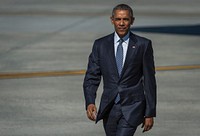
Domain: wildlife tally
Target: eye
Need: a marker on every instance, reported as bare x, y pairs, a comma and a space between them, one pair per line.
126, 19
117, 19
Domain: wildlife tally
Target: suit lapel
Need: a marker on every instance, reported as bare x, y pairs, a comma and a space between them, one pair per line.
130, 51
111, 54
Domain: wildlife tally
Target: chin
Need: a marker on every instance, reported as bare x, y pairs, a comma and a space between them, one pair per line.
122, 34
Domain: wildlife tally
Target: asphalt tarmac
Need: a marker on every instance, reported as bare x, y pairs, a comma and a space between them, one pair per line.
56, 36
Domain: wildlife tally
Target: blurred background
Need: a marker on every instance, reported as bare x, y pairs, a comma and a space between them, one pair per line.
44, 47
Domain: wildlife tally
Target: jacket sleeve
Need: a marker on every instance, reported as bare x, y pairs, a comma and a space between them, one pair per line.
149, 81
92, 77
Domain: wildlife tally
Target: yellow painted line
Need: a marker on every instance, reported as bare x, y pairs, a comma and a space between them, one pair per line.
40, 74
183, 67
82, 72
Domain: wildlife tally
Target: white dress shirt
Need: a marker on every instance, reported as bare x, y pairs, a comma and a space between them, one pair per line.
124, 44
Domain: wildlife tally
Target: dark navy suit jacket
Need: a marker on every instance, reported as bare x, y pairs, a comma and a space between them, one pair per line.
136, 85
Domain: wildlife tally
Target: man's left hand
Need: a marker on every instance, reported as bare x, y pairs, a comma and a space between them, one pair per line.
147, 124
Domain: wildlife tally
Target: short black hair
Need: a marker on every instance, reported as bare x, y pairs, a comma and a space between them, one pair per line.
122, 7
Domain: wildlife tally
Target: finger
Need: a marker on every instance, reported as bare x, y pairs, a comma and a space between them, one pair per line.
147, 128
144, 130
94, 114
95, 108
90, 116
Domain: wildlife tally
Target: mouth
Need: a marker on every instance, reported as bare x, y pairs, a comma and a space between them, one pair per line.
122, 29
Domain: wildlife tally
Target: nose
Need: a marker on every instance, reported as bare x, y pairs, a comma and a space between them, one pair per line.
121, 22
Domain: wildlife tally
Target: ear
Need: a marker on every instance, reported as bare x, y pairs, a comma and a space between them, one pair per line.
132, 20
111, 19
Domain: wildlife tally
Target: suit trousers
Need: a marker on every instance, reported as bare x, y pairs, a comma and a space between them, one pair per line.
116, 125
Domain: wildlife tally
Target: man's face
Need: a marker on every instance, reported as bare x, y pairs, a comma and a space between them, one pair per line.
122, 21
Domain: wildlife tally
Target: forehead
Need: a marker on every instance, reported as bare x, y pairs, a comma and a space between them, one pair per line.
121, 13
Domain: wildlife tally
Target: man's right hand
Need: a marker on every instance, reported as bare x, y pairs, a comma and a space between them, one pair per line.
91, 112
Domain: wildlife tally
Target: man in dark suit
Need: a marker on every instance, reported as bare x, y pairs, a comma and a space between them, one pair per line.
126, 63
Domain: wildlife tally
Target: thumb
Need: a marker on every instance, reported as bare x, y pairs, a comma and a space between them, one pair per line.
95, 108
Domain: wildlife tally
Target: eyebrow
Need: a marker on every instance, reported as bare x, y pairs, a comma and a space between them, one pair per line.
118, 18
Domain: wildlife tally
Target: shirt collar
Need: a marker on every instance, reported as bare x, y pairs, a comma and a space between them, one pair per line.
125, 38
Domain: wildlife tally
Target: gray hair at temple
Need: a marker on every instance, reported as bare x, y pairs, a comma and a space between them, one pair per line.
122, 7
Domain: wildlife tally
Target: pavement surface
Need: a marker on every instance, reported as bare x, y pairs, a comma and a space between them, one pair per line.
49, 35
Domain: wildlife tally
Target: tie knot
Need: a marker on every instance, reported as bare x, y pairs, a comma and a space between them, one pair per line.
121, 41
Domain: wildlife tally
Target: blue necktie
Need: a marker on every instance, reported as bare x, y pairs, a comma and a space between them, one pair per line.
119, 62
